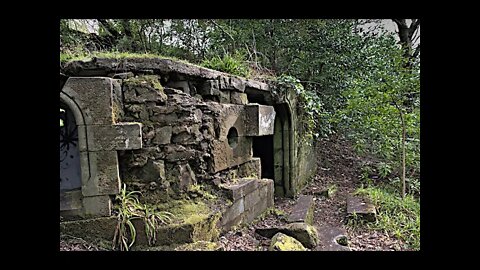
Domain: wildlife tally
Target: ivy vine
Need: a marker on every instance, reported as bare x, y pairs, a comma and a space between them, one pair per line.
309, 105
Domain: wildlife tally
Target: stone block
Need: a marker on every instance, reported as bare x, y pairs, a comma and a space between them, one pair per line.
260, 120
241, 188
174, 152
303, 210
250, 169
182, 175
97, 206
233, 214
224, 156
361, 207
209, 87
71, 200
328, 236
231, 83
267, 191
143, 89
137, 111
94, 97
163, 135
238, 98
102, 176
122, 136
94, 228
252, 198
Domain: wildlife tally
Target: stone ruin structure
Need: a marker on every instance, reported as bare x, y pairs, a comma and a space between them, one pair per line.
175, 131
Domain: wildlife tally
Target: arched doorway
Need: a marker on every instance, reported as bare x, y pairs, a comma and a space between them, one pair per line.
70, 171
275, 152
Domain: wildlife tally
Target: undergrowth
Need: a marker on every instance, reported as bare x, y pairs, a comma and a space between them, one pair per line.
395, 217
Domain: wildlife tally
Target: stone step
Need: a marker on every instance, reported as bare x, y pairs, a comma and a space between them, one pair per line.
192, 222
303, 210
332, 239
360, 207
250, 198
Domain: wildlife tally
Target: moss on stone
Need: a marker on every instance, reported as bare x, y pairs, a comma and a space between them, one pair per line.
200, 246
149, 80
282, 242
203, 192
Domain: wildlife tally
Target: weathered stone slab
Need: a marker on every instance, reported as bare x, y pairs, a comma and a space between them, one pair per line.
105, 66
97, 206
361, 207
282, 242
303, 210
233, 214
231, 83
328, 235
260, 120
94, 96
306, 234
95, 228
252, 198
241, 188
102, 176
71, 200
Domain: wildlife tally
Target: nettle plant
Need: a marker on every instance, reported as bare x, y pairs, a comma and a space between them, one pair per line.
308, 103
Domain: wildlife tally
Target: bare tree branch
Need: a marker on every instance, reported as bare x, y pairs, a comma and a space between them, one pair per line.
417, 51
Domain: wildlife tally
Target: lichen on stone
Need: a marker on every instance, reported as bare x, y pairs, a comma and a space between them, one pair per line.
283, 242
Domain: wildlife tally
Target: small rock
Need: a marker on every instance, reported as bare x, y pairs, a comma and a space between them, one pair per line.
282, 242
306, 234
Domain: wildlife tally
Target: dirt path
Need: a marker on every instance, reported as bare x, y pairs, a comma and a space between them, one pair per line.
338, 169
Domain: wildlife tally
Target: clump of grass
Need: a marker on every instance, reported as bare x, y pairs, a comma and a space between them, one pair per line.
232, 64
85, 56
395, 217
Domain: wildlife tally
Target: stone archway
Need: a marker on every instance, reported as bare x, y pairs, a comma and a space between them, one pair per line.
70, 169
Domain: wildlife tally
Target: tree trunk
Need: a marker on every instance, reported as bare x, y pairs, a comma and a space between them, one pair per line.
404, 133
405, 33
403, 156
